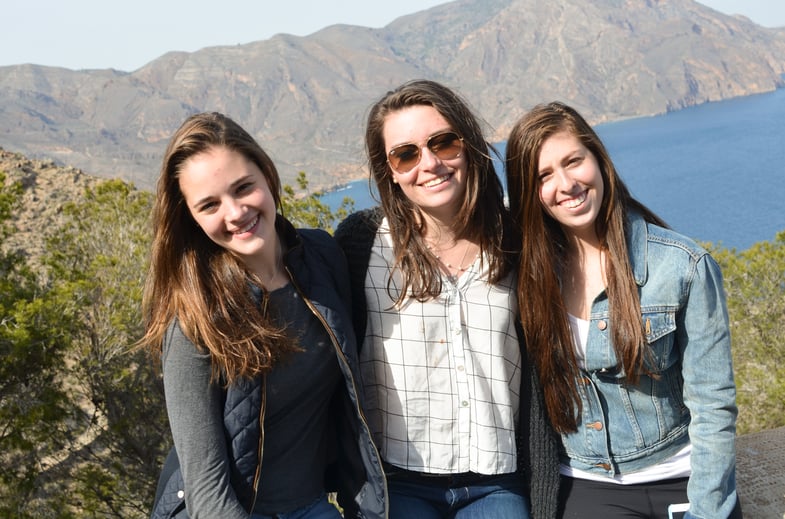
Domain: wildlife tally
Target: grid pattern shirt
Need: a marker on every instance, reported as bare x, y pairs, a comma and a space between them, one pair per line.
442, 377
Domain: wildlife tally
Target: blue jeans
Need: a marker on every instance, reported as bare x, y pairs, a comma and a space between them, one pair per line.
499, 497
319, 509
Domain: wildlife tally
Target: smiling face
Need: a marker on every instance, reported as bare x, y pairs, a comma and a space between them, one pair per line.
571, 185
436, 186
229, 198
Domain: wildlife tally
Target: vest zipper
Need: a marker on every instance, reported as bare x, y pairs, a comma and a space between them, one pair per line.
345, 364
260, 449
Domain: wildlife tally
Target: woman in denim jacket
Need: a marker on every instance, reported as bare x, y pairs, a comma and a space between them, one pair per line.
627, 324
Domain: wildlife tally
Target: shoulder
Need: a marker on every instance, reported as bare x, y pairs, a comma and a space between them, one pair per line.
318, 238
356, 233
650, 240
667, 238
359, 224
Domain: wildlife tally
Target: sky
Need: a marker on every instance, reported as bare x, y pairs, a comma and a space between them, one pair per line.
125, 35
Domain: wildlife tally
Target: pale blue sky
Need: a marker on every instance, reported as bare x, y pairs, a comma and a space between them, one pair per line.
125, 35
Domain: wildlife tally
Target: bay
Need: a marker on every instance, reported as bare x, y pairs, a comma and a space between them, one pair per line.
715, 172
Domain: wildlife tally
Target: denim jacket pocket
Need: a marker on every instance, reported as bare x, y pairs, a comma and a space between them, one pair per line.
659, 325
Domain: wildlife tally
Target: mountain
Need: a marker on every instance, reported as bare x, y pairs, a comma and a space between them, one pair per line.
306, 98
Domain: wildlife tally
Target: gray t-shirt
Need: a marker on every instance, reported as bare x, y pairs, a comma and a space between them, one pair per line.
298, 393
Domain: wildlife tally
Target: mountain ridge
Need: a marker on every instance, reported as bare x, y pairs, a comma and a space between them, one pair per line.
305, 98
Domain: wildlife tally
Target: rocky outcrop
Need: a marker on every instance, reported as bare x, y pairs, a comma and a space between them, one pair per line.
760, 473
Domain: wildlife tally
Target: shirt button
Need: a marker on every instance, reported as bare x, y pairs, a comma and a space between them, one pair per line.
456, 331
460, 368
465, 403
602, 325
180, 494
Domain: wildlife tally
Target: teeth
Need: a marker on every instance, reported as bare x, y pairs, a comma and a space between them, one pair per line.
248, 227
436, 181
575, 202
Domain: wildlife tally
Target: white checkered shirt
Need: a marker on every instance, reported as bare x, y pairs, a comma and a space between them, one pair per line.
442, 378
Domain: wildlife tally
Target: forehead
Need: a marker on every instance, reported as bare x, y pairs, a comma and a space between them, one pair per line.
412, 124
561, 143
213, 171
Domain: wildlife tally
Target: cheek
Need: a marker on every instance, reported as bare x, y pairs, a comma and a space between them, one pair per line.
203, 223
544, 194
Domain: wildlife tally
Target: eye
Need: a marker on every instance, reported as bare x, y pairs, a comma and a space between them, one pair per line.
440, 142
405, 153
244, 187
446, 145
207, 207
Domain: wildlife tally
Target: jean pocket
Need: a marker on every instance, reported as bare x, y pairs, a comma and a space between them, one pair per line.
659, 326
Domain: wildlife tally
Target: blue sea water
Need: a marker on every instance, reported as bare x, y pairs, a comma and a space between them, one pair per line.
715, 172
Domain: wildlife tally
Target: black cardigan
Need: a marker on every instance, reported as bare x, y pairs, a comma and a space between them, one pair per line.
538, 444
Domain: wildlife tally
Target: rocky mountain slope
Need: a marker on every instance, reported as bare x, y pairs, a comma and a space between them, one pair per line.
306, 98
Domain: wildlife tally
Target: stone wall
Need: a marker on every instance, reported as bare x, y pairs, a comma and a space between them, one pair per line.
760, 474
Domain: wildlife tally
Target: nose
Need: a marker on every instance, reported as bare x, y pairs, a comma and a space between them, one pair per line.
564, 181
234, 209
428, 159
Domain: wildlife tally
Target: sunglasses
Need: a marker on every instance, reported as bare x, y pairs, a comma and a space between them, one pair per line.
445, 146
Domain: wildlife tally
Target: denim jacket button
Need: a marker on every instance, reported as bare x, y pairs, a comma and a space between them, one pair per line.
605, 466
602, 325
597, 426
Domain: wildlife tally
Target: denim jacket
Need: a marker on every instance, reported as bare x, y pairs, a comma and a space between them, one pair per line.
692, 398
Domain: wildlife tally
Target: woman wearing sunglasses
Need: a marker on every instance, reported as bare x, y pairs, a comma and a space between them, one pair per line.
626, 322
449, 394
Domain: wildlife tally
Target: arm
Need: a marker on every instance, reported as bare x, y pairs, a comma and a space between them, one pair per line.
195, 408
355, 235
709, 392
538, 444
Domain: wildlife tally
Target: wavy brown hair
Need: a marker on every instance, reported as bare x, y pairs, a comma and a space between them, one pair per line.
544, 249
482, 216
203, 286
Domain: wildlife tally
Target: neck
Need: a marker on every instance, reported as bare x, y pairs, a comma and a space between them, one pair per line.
439, 233
269, 267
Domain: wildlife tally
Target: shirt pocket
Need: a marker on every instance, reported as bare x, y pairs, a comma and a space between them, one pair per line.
659, 326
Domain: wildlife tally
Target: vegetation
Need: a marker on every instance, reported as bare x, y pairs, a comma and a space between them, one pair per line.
83, 430
755, 286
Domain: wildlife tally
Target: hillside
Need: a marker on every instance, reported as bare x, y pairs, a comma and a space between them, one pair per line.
306, 98
46, 188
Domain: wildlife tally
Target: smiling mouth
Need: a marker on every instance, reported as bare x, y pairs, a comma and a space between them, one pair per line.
248, 227
572, 203
437, 181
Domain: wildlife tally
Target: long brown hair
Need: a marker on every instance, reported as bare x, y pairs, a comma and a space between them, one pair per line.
481, 216
544, 250
191, 279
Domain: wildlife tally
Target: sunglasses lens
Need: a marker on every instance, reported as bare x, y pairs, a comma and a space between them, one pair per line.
405, 157
446, 146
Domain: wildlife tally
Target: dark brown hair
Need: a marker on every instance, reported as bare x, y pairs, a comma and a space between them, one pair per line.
544, 250
193, 280
481, 216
